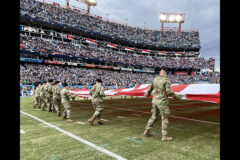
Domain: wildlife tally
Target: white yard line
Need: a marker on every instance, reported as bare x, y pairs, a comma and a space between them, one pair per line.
136, 115
80, 122
22, 131
121, 117
104, 119
170, 115
101, 149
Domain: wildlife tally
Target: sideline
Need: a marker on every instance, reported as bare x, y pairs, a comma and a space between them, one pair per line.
101, 149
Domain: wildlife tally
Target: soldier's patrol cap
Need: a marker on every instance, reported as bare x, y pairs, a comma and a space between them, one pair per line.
164, 68
99, 80
56, 82
50, 80
64, 84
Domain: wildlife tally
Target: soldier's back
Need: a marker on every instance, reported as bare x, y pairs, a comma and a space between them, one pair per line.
160, 88
64, 95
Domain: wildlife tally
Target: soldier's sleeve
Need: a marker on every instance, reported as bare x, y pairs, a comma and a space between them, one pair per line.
58, 90
169, 90
97, 90
150, 89
102, 92
70, 95
92, 90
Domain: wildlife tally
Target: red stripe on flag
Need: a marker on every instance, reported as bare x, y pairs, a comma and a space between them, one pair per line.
179, 88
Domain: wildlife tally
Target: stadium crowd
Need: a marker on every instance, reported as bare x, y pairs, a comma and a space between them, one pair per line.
50, 13
31, 73
40, 45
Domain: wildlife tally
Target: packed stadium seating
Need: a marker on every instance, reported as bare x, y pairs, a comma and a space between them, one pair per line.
31, 73
37, 44
134, 35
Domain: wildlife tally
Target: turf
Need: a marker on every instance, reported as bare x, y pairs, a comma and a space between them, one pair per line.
123, 136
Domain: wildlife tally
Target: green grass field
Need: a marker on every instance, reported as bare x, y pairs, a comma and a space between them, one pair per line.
193, 140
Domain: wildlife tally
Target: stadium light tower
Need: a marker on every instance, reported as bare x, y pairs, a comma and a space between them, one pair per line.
88, 3
172, 18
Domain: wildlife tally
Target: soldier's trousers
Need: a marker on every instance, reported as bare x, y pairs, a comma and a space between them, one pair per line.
37, 102
164, 112
43, 103
67, 110
49, 103
57, 104
98, 107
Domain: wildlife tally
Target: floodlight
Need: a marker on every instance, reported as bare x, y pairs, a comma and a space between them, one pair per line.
178, 18
171, 18
89, 2
162, 17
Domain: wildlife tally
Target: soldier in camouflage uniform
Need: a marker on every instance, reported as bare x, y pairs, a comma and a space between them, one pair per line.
65, 98
49, 94
42, 95
97, 94
36, 95
162, 89
57, 97
24, 91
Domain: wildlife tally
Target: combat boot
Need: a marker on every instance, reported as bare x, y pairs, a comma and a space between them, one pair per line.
69, 120
100, 122
91, 120
64, 116
147, 133
166, 138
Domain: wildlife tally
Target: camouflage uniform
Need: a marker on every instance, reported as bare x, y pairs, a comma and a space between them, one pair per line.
24, 91
97, 93
65, 98
36, 95
162, 89
42, 91
49, 95
56, 97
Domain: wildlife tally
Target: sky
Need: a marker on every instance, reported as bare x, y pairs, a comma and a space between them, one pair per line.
202, 15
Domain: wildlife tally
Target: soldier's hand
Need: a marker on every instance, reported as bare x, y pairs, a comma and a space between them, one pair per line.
178, 97
146, 95
73, 98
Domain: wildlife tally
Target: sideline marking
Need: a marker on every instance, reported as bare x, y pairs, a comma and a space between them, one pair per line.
136, 115
80, 122
169, 116
22, 131
101, 149
121, 117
